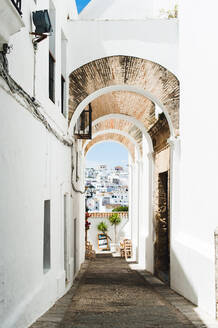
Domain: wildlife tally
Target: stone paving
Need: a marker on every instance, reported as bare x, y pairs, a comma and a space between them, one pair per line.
108, 294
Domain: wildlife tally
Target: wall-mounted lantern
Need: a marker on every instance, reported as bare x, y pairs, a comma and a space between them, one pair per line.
42, 24
83, 127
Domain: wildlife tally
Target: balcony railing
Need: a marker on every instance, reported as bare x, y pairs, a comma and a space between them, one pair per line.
17, 5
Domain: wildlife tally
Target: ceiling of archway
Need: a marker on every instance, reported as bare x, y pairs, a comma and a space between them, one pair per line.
125, 70
113, 137
127, 103
119, 124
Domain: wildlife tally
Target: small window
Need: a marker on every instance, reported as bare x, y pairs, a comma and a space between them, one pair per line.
51, 78
47, 237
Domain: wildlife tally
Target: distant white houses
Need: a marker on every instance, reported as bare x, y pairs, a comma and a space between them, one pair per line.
110, 187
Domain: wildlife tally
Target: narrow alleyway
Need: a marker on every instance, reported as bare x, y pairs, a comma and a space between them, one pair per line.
111, 295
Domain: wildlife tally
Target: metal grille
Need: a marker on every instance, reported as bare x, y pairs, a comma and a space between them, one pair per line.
17, 5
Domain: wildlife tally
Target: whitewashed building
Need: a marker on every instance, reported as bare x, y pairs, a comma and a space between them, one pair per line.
128, 59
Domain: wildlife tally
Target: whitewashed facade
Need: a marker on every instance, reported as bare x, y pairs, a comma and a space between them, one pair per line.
35, 167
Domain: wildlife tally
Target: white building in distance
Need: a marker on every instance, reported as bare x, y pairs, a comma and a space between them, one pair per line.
110, 188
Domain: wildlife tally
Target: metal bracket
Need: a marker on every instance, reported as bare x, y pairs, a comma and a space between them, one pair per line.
38, 37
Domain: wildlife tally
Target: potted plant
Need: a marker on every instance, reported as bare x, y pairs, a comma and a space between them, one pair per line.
114, 220
102, 226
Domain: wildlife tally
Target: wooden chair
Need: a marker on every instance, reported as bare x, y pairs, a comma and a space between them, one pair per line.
122, 252
90, 253
127, 248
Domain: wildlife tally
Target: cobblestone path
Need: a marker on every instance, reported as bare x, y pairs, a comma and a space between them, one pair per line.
111, 295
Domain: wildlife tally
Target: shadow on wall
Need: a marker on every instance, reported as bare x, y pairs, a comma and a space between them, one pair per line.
182, 278
177, 269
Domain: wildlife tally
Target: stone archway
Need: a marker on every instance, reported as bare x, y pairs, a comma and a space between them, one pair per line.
128, 121
119, 125
132, 87
129, 138
142, 74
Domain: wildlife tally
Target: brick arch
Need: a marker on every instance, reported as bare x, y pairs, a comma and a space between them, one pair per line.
130, 71
126, 119
131, 139
127, 103
112, 137
121, 125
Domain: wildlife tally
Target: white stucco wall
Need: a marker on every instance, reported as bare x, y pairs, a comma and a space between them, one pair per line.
21, 58
152, 39
193, 268
125, 9
35, 167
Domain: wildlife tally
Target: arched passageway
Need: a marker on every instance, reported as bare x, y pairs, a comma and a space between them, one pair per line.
140, 99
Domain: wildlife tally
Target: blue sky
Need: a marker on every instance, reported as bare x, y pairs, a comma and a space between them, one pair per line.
81, 4
109, 153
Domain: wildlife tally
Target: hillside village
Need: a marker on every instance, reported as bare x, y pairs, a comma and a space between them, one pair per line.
106, 188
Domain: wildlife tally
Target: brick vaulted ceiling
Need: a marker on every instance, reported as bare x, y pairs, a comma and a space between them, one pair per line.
119, 124
113, 137
122, 125
125, 70
127, 103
